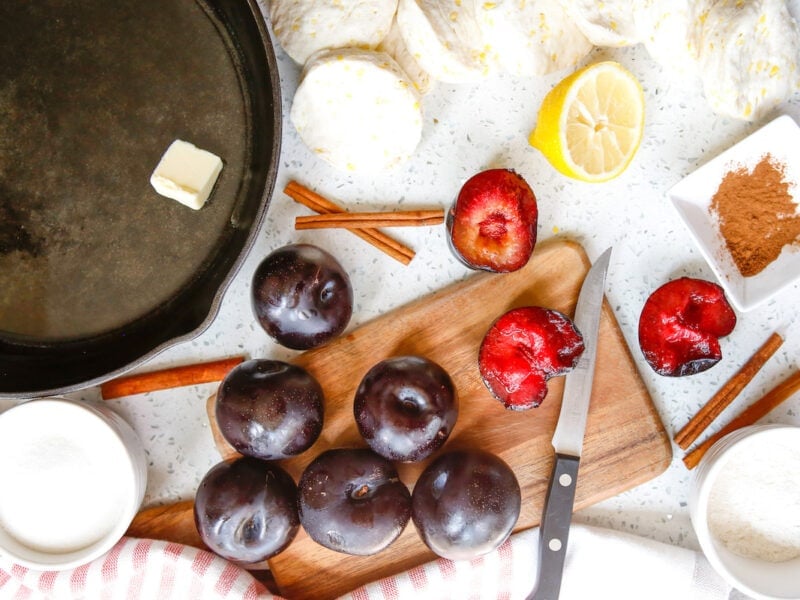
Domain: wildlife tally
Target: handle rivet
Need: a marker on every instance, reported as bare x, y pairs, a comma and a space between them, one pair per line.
554, 544
565, 479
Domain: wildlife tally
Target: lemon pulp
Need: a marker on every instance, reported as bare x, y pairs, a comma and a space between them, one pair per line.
591, 123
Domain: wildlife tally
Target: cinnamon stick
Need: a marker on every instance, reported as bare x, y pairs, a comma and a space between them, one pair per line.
358, 220
760, 408
172, 377
301, 194
726, 394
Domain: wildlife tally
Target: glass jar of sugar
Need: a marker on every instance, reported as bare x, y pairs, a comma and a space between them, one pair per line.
72, 477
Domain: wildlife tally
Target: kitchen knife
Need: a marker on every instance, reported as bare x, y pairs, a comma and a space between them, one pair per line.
568, 437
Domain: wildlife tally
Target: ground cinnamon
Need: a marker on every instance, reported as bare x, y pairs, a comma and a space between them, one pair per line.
757, 214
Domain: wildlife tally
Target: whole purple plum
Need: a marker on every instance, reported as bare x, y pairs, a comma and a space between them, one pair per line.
302, 296
351, 500
246, 510
405, 407
465, 504
269, 409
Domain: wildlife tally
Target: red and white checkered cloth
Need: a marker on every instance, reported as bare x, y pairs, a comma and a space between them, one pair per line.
600, 564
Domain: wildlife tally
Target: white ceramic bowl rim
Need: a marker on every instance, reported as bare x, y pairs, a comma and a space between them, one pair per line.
761, 579
135, 469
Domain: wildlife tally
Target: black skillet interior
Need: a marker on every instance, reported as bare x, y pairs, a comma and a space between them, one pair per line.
97, 271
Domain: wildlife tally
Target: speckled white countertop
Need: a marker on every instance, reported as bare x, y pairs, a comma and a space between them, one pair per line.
469, 128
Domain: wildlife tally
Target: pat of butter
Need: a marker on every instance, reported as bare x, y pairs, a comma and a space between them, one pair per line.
186, 173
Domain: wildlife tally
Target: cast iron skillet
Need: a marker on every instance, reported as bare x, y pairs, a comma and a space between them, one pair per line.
98, 272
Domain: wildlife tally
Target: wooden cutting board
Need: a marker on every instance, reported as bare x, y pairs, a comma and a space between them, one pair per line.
625, 444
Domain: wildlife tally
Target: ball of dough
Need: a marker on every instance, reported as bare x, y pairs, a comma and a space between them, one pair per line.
395, 46
531, 38
357, 110
304, 27
445, 39
748, 56
670, 31
610, 23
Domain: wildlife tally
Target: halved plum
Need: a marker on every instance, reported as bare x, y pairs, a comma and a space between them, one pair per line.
523, 349
491, 226
680, 326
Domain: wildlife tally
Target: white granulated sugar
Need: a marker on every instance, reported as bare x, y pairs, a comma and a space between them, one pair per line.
754, 505
63, 477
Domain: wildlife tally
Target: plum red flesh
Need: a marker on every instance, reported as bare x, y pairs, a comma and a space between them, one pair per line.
492, 224
680, 326
523, 349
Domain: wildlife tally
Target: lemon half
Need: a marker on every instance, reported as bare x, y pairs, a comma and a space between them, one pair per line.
590, 125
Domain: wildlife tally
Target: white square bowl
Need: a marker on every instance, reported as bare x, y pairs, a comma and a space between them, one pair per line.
692, 196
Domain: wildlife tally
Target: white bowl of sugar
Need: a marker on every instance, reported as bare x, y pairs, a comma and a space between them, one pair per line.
72, 477
745, 509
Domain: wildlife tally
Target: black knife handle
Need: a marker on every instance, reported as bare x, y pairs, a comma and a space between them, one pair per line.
554, 528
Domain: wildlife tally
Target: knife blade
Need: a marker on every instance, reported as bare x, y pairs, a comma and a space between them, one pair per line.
568, 437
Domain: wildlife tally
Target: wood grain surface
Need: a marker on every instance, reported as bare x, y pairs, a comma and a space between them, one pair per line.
625, 444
